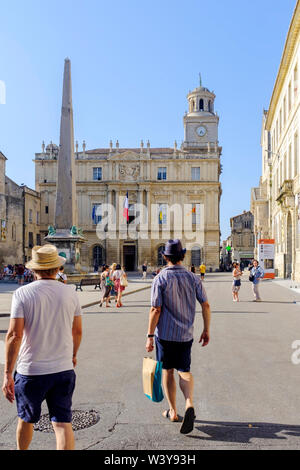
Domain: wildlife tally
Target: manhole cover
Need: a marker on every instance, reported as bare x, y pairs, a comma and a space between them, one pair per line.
80, 420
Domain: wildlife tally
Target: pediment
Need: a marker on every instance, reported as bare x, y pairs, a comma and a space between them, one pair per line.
128, 155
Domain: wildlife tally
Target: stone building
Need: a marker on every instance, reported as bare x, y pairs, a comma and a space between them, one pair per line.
164, 186
242, 238
19, 216
275, 203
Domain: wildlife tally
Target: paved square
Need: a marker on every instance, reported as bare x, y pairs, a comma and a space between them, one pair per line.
246, 385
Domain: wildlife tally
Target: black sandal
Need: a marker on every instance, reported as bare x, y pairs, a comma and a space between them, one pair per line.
188, 421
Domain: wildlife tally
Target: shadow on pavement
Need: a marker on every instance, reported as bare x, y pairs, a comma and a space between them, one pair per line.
243, 432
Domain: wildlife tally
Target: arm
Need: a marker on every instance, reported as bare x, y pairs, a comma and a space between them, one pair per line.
12, 347
154, 315
77, 335
206, 314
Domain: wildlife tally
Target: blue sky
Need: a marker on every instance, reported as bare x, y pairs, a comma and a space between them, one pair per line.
133, 63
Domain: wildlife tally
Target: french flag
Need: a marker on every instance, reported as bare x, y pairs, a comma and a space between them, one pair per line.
126, 208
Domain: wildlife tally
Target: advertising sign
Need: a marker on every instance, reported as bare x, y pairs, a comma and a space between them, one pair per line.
266, 252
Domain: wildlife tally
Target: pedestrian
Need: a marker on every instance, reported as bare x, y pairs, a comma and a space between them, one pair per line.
144, 269
171, 323
193, 269
257, 274
20, 269
113, 292
44, 333
236, 284
108, 283
202, 271
119, 278
61, 276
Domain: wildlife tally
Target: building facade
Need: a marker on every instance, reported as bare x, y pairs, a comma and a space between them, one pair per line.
19, 219
242, 238
172, 193
275, 203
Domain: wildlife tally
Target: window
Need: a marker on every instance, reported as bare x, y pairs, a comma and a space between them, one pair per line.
289, 97
37, 218
209, 106
196, 256
131, 213
284, 111
46, 209
201, 105
97, 174
162, 214
295, 82
30, 239
38, 239
13, 232
97, 213
30, 216
196, 173
162, 173
97, 256
195, 214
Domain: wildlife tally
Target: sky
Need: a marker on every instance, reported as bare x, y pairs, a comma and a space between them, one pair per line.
133, 64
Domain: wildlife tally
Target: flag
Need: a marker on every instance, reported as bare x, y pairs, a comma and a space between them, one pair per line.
126, 208
94, 213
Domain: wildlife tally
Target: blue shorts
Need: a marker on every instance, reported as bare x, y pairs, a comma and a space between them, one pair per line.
57, 389
174, 355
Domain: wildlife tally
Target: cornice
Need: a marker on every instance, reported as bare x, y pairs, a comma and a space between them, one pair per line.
291, 42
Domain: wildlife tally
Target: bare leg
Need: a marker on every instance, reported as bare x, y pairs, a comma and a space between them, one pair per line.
24, 434
186, 383
169, 385
64, 436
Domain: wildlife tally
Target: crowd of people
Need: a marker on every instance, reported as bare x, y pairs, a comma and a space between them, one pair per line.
113, 280
16, 272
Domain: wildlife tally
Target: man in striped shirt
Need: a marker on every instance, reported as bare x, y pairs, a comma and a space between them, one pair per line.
171, 323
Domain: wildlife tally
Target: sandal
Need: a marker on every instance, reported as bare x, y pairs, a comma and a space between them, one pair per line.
166, 414
188, 421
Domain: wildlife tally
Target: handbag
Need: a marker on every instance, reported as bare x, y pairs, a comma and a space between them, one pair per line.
251, 278
123, 281
152, 372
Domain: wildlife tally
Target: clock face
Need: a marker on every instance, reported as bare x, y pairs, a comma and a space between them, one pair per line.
201, 131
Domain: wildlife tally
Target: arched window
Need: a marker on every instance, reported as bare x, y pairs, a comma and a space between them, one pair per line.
97, 256
192, 106
209, 106
201, 105
160, 259
196, 256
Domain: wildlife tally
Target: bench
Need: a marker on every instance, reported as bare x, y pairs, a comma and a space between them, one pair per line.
88, 282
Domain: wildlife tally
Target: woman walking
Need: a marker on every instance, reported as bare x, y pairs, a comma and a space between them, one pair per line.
120, 280
236, 285
108, 283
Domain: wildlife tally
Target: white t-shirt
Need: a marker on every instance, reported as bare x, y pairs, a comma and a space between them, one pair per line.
118, 274
48, 308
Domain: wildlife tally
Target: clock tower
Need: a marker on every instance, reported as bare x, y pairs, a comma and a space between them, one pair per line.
200, 122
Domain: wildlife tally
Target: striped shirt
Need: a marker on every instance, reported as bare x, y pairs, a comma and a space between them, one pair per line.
175, 290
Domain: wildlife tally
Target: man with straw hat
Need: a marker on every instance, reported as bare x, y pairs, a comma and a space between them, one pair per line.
43, 339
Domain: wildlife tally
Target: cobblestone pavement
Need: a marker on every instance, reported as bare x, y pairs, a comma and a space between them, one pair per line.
247, 380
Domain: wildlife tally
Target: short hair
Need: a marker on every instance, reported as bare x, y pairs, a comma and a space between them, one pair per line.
46, 272
174, 259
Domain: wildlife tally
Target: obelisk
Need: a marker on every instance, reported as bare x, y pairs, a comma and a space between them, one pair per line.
65, 234
66, 205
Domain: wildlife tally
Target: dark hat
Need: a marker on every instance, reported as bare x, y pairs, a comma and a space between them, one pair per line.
174, 248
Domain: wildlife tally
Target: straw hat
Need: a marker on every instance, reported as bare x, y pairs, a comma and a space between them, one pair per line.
45, 257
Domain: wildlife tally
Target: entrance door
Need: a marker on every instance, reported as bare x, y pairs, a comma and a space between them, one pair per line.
97, 256
129, 254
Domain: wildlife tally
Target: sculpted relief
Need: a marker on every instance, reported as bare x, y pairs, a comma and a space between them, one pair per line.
129, 172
